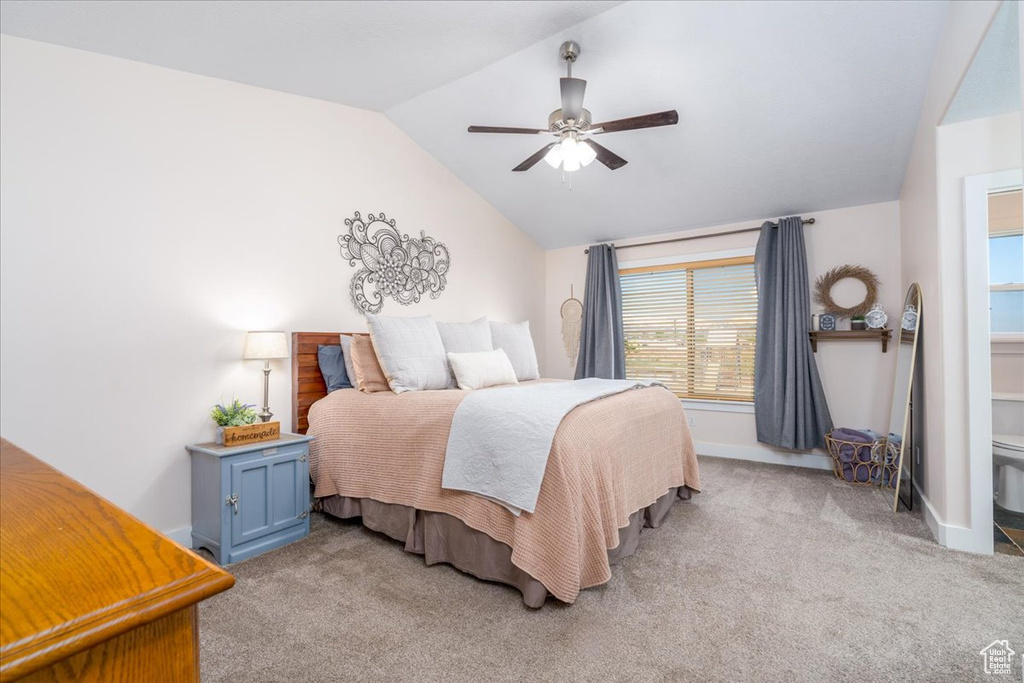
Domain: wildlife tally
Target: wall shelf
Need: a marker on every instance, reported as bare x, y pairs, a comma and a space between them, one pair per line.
883, 335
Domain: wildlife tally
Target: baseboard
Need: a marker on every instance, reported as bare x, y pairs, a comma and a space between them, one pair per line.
931, 518
182, 536
814, 461
952, 536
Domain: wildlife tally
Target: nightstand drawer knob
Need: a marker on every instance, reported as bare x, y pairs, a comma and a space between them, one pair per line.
233, 501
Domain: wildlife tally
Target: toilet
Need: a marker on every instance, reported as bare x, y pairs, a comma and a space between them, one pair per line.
1008, 458
1008, 450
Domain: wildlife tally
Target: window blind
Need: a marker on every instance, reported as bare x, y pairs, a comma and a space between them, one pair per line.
692, 326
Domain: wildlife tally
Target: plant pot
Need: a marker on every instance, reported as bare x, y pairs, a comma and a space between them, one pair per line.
858, 325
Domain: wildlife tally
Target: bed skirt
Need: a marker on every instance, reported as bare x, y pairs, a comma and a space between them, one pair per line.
443, 538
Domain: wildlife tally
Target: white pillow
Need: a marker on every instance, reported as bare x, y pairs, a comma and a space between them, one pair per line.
346, 354
479, 369
410, 352
466, 337
515, 340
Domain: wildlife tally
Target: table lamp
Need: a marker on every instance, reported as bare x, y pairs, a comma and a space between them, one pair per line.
265, 346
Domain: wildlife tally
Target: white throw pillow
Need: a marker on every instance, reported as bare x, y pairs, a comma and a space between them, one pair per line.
479, 369
515, 340
410, 352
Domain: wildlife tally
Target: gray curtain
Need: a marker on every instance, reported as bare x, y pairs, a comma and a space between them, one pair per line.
789, 404
602, 347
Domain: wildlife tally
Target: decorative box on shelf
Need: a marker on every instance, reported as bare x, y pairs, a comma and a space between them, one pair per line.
249, 499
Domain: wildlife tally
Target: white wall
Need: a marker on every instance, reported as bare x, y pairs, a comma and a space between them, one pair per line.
926, 257
1008, 365
857, 376
150, 217
962, 149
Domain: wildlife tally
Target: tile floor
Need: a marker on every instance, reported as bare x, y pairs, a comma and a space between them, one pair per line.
1008, 528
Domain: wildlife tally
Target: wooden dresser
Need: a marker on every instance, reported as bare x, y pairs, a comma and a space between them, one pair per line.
88, 592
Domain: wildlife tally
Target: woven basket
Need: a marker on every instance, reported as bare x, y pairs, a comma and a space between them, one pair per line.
862, 463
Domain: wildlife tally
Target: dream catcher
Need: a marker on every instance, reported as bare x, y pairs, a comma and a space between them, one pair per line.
572, 323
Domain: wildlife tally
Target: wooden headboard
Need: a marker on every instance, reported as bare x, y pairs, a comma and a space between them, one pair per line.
307, 383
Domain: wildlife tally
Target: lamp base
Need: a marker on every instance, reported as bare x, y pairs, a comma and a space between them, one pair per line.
265, 415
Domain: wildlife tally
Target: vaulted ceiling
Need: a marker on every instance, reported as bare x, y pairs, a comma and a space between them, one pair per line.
784, 107
991, 85
371, 55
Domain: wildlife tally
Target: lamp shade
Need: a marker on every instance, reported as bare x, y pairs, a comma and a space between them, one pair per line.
264, 345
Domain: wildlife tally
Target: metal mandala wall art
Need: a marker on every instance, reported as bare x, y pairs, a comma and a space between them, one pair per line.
392, 264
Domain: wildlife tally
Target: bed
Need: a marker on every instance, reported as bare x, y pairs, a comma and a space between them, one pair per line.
617, 465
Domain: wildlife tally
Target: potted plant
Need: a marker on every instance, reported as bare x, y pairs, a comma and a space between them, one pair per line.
235, 414
857, 323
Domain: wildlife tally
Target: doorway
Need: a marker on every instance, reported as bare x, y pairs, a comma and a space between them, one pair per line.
977, 192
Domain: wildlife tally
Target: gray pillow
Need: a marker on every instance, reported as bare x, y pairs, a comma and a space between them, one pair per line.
515, 340
332, 367
410, 352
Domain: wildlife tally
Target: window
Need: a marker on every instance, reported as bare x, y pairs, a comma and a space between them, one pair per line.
692, 326
1006, 263
1006, 280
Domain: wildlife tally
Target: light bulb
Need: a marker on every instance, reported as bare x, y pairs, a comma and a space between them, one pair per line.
585, 153
570, 155
569, 148
554, 156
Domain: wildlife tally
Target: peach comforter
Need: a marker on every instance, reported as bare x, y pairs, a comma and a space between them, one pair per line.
609, 459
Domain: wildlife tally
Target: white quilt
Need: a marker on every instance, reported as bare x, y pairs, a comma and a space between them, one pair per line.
500, 438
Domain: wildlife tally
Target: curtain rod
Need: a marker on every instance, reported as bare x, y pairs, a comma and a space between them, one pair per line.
806, 221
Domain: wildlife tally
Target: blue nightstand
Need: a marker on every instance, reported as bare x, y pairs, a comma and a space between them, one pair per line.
249, 499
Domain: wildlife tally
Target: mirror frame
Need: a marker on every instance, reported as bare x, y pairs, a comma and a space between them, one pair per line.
914, 286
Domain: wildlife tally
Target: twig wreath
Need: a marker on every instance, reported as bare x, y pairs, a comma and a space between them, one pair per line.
824, 284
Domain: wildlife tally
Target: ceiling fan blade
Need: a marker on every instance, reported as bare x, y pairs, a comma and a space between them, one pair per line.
664, 118
606, 156
528, 164
500, 129
572, 97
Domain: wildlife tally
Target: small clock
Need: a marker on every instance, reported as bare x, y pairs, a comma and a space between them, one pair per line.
827, 322
910, 317
876, 318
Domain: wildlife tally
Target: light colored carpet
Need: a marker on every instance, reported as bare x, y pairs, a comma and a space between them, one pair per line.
770, 574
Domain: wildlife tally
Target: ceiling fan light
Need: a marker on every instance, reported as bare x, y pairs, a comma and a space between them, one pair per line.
569, 148
554, 156
585, 153
570, 164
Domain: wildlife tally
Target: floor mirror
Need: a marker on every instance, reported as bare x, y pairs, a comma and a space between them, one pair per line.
899, 456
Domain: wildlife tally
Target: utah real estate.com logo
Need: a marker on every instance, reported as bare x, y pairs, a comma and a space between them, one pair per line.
998, 657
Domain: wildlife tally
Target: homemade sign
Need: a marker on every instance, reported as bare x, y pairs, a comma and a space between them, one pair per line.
254, 433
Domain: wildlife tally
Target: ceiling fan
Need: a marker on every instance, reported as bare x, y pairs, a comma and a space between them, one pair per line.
572, 126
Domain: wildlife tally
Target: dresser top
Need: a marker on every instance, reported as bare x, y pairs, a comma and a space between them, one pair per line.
211, 448
77, 570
